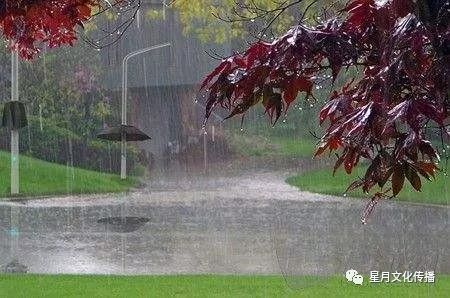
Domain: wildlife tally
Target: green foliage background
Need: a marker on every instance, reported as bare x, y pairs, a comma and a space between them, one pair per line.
66, 107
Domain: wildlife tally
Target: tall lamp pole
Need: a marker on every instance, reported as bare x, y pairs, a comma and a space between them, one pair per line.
123, 161
15, 130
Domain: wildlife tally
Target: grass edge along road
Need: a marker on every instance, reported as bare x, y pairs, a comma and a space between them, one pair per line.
209, 286
38, 178
322, 181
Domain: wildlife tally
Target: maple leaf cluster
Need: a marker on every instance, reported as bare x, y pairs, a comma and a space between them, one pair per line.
382, 116
27, 24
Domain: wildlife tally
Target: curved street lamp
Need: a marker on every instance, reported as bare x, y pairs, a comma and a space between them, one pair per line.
125, 132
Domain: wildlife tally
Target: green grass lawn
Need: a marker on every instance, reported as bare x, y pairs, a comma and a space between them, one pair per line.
206, 286
254, 145
39, 177
322, 181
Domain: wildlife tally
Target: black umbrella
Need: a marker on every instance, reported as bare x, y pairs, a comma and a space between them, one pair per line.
131, 134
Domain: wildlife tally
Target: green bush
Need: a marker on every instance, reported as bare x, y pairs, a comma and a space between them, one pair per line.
50, 141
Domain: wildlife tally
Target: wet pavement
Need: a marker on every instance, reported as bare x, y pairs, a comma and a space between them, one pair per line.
249, 224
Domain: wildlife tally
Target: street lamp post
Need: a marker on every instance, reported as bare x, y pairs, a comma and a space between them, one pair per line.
14, 130
123, 161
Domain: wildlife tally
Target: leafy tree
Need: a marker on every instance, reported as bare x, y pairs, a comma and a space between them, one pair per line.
27, 22
30, 24
204, 18
402, 47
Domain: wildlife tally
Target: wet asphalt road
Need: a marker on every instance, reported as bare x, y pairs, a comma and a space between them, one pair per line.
247, 225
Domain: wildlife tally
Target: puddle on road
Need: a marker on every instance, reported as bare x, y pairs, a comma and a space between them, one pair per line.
127, 224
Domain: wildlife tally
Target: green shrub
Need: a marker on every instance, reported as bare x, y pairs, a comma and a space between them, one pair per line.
50, 141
